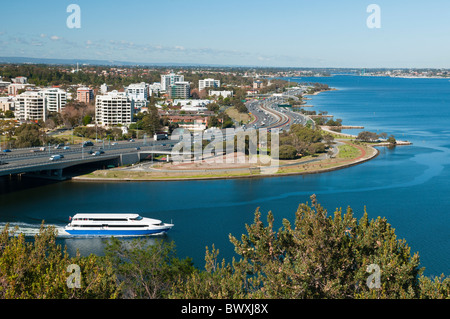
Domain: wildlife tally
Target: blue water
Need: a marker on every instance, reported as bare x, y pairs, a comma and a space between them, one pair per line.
409, 185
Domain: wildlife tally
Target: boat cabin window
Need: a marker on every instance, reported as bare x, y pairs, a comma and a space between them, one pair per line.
137, 218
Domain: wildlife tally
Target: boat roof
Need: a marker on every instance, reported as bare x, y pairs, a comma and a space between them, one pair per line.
112, 216
106, 215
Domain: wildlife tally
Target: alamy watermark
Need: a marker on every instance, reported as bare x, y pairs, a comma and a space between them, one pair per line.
374, 19
229, 146
374, 280
74, 279
74, 19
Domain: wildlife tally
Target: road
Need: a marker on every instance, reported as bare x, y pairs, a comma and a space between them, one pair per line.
268, 113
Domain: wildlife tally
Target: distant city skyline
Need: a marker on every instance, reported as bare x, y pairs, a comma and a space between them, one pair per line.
283, 33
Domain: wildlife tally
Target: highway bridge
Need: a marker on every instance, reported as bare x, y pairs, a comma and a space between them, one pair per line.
35, 162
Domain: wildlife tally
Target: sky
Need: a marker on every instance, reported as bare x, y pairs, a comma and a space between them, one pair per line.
281, 33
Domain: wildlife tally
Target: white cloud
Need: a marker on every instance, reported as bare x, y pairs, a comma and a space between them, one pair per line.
55, 38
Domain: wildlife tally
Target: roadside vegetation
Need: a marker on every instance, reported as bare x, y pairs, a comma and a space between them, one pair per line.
303, 141
317, 256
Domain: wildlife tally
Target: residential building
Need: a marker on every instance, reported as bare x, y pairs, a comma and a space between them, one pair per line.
202, 84
170, 79
14, 88
258, 84
85, 95
223, 94
180, 90
20, 80
30, 106
56, 99
194, 105
138, 93
113, 108
4, 85
191, 102
194, 123
7, 104
155, 88
103, 88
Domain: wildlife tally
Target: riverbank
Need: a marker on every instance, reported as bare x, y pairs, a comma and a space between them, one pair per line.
203, 171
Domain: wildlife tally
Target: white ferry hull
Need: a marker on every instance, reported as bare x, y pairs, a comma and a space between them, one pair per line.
116, 232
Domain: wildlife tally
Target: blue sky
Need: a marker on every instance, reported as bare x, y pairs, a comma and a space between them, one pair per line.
291, 33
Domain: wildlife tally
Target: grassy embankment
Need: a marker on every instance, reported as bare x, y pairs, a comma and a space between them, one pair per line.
349, 154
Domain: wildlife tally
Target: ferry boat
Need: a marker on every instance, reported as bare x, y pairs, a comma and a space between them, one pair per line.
115, 225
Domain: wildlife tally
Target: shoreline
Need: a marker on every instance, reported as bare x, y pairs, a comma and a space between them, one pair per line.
344, 164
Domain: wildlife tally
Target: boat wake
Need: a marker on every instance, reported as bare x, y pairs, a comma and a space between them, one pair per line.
30, 230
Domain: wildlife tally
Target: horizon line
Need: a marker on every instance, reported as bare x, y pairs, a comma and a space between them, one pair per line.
97, 62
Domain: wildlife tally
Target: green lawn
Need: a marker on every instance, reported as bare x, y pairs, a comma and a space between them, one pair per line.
348, 151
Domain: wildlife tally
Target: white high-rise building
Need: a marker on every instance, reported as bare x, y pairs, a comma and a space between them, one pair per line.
113, 108
56, 99
202, 84
30, 106
170, 79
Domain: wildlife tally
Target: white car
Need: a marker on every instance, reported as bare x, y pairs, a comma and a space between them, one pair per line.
55, 157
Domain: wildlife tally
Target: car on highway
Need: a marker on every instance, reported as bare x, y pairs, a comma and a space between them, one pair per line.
6, 151
66, 148
87, 143
55, 157
96, 153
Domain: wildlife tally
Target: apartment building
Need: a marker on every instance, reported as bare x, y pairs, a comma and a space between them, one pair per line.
7, 104
180, 90
223, 94
170, 79
30, 106
56, 99
113, 108
202, 84
138, 92
85, 95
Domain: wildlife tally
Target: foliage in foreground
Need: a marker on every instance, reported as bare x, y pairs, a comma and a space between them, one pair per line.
318, 256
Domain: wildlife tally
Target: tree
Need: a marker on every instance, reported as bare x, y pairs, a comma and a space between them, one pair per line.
367, 136
287, 152
9, 114
147, 270
391, 140
28, 135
